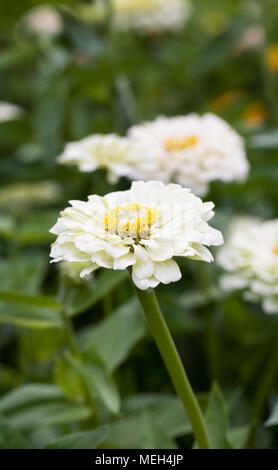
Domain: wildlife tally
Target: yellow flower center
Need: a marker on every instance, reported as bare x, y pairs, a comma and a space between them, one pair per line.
275, 249
132, 220
173, 143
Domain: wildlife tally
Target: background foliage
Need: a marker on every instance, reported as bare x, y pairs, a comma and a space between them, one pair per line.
116, 392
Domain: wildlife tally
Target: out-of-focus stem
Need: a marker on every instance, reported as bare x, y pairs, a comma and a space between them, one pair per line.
211, 336
262, 391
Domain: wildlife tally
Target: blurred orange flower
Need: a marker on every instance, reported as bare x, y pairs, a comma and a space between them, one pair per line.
271, 57
227, 99
254, 114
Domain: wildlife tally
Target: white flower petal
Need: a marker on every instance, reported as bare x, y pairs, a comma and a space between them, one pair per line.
124, 261
167, 271
143, 269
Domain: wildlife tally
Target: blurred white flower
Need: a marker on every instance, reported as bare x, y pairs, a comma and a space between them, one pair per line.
9, 111
44, 20
151, 16
115, 154
252, 38
191, 150
143, 227
250, 255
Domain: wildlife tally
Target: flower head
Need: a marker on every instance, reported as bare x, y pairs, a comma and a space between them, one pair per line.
151, 16
143, 227
250, 256
9, 111
44, 20
192, 150
115, 154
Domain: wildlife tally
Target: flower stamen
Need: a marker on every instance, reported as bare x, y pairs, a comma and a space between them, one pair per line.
173, 143
132, 220
275, 249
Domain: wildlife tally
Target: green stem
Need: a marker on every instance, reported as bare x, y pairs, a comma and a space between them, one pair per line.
68, 327
266, 381
212, 343
171, 358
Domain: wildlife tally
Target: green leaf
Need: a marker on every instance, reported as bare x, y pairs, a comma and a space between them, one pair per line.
23, 273
10, 437
98, 381
9, 377
86, 296
28, 394
81, 440
113, 338
35, 227
273, 418
68, 379
18, 298
237, 436
7, 225
268, 140
144, 416
166, 409
39, 345
216, 419
49, 414
154, 436
29, 317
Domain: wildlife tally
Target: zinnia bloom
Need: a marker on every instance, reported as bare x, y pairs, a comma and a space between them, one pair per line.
150, 16
115, 154
192, 150
250, 255
143, 227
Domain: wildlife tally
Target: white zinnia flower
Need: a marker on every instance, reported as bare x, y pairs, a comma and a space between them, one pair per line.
150, 16
192, 150
44, 20
9, 111
118, 155
250, 255
144, 227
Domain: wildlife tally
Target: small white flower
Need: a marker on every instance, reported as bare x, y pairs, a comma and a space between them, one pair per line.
250, 255
151, 16
191, 150
9, 111
118, 155
44, 20
144, 227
